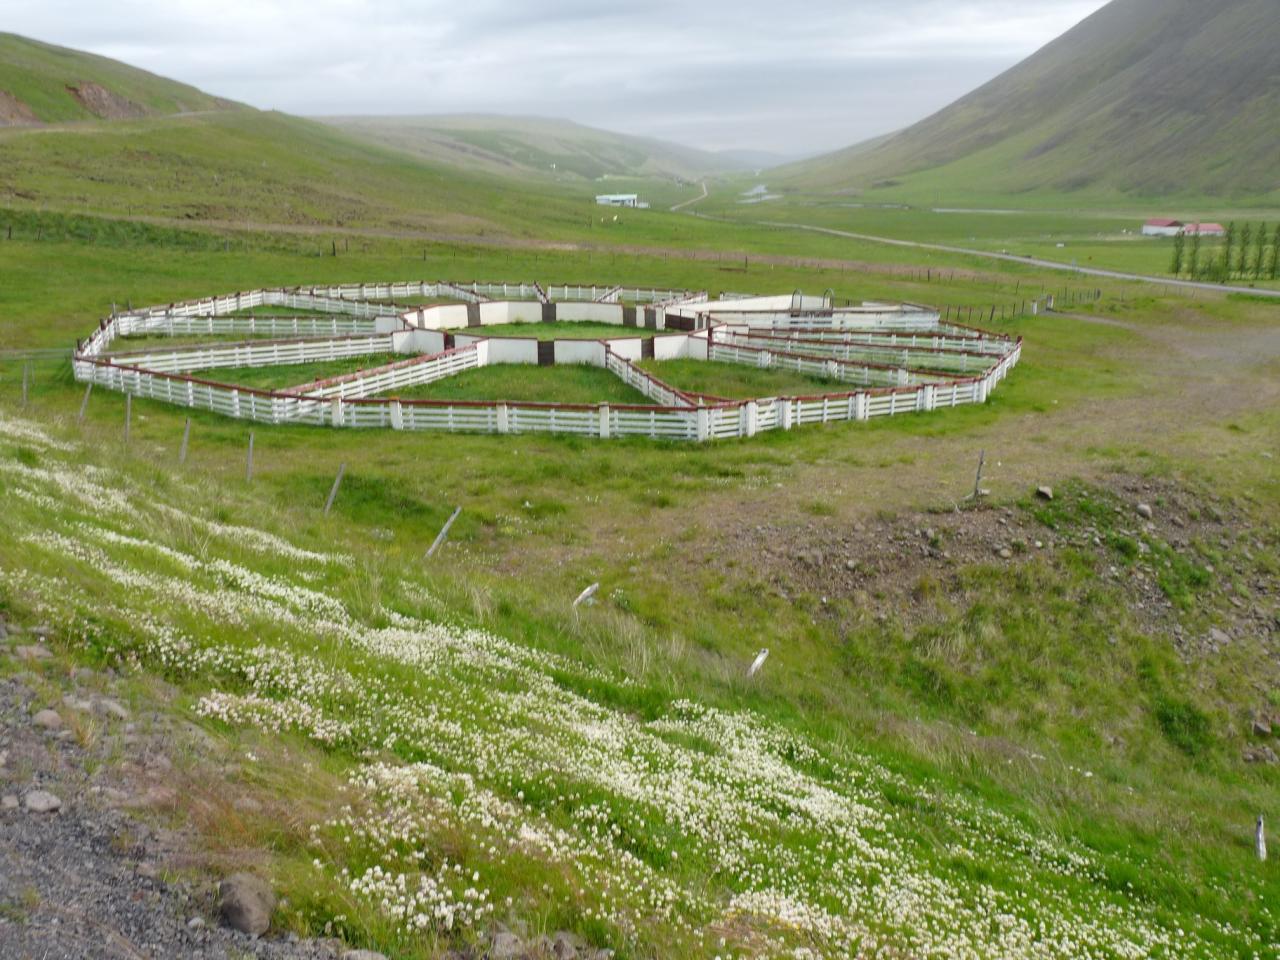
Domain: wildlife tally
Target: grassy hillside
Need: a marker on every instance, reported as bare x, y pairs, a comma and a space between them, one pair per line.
536, 146
947, 751
43, 83
249, 167
1146, 97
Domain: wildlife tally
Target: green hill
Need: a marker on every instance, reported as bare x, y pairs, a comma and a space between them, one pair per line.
524, 146
1145, 97
43, 83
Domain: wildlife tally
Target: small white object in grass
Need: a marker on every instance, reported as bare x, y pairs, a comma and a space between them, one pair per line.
758, 662
586, 594
1260, 839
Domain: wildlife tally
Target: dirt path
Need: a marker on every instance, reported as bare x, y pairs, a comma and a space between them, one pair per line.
689, 203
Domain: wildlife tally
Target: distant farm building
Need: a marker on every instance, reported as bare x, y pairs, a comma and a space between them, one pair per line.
621, 200
1162, 228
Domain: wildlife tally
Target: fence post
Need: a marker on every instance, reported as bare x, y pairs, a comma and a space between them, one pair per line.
333, 492
444, 532
26, 380
128, 416
186, 439
604, 421
248, 466
84, 404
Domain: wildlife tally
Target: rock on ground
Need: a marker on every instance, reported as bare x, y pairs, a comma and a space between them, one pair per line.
73, 888
245, 903
42, 801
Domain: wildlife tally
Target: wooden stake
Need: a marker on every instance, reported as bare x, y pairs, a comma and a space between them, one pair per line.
333, 492
186, 440
444, 532
977, 481
128, 416
84, 404
26, 381
248, 467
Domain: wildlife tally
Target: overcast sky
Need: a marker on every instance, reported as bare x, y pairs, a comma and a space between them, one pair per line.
792, 77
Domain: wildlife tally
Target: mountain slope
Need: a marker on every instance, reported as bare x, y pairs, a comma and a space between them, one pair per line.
43, 83
1146, 96
537, 146
160, 149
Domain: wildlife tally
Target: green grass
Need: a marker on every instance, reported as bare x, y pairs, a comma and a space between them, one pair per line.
38, 74
296, 374
966, 673
516, 382
735, 381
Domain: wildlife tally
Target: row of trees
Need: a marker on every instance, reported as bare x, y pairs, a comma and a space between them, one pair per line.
1247, 254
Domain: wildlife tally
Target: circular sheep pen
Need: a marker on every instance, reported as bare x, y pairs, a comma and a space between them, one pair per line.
886, 359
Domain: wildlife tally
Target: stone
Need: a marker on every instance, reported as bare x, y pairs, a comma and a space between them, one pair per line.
1261, 727
32, 652
363, 955
1004, 553
1219, 636
195, 923
111, 708
1145, 511
565, 946
48, 719
505, 946
41, 801
9, 802
245, 903
76, 704
1260, 754
1044, 493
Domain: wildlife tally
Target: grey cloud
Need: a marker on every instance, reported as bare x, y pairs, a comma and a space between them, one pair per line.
797, 77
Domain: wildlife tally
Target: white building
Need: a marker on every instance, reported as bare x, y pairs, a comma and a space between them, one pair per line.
621, 200
1162, 228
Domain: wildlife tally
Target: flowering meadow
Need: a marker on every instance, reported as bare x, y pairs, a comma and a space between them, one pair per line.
492, 782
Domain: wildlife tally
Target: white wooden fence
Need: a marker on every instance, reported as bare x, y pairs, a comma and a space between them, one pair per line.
416, 372
901, 359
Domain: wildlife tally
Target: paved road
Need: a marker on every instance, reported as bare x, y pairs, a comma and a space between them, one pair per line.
1032, 261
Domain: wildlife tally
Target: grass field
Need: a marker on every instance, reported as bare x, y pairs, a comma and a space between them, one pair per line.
734, 381
560, 384
293, 375
1064, 230
946, 710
